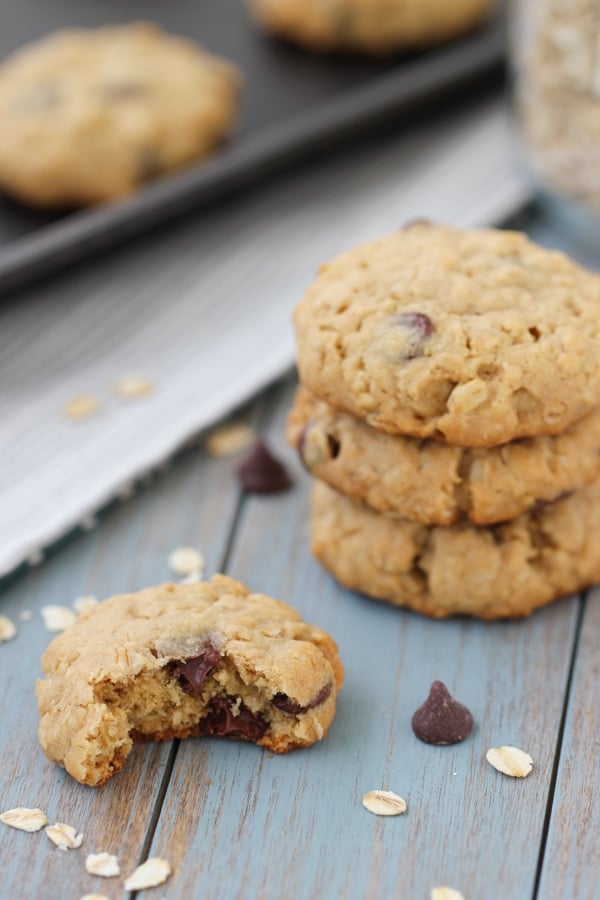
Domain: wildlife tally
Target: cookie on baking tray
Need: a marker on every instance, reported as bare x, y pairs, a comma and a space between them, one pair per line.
434, 483
90, 115
209, 658
474, 338
505, 570
375, 27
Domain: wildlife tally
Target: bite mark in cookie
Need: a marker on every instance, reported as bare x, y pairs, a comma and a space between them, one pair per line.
208, 658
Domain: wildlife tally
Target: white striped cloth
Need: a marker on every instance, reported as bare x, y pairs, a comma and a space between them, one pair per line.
203, 309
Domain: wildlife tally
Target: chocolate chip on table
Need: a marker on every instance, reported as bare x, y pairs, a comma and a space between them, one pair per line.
222, 722
192, 672
441, 719
287, 705
261, 472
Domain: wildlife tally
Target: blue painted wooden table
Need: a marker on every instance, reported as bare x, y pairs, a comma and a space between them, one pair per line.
237, 822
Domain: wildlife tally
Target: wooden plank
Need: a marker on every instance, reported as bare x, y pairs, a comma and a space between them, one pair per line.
195, 503
572, 859
293, 826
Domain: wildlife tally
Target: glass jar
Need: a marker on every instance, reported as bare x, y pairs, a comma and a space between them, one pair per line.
556, 63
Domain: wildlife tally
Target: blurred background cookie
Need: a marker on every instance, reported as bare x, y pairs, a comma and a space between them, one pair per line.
369, 26
89, 115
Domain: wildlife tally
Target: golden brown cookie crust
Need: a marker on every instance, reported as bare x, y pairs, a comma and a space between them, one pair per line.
118, 675
474, 338
436, 484
376, 27
502, 571
89, 115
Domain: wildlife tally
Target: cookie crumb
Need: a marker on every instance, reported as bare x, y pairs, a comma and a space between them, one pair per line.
64, 836
441, 720
261, 472
154, 871
384, 803
8, 629
227, 440
24, 819
81, 406
510, 761
104, 864
133, 385
446, 893
57, 618
187, 561
85, 604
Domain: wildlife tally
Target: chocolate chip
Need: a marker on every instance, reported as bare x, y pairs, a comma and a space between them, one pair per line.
315, 445
149, 166
222, 722
420, 327
540, 505
192, 673
286, 705
261, 472
441, 719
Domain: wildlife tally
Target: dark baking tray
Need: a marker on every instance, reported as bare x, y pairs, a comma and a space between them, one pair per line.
293, 103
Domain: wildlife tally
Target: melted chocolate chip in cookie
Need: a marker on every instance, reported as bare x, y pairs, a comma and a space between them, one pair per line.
315, 445
287, 705
419, 328
192, 672
221, 721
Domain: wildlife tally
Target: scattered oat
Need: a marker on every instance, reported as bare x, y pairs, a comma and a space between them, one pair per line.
510, 761
94, 897
81, 406
57, 618
64, 836
26, 615
104, 864
133, 385
446, 893
154, 871
384, 803
24, 819
229, 439
193, 577
186, 561
8, 629
85, 603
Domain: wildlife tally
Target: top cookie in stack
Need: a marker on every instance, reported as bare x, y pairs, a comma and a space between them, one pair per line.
451, 378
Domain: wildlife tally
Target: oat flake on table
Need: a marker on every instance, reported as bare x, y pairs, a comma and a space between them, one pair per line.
64, 836
227, 440
81, 406
133, 385
24, 819
154, 871
104, 864
510, 761
8, 629
57, 618
446, 893
384, 803
186, 561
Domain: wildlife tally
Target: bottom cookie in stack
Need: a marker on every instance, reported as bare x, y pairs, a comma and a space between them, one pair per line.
491, 572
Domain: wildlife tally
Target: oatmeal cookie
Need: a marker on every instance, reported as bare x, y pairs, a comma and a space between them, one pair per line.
436, 484
209, 658
474, 338
495, 572
89, 115
376, 27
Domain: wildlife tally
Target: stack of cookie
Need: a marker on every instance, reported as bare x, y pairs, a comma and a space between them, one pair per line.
450, 412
